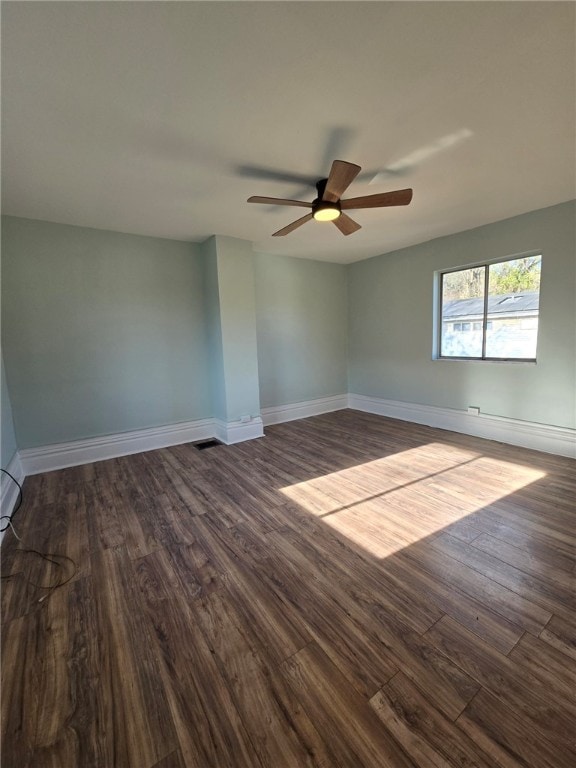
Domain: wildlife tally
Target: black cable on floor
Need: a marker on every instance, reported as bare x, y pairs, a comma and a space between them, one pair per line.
50, 557
18, 504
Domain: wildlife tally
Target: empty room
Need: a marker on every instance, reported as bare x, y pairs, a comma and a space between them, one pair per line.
288, 406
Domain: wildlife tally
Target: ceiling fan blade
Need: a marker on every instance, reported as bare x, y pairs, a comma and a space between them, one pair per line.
346, 225
399, 197
278, 201
342, 174
293, 226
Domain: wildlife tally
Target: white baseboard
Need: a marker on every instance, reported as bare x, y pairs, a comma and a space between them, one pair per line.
31, 461
230, 432
280, 413
60, 455
527, 434
8, 489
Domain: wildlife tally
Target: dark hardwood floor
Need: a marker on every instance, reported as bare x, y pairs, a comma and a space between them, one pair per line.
349, 591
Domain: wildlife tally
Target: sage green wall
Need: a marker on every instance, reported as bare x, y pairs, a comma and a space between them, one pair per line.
231, 327
302, 335
215, 352
105, 332
102, 332
390, 324
8, 442
238, 323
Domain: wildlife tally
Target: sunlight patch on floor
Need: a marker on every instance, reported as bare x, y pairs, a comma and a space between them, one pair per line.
389, 503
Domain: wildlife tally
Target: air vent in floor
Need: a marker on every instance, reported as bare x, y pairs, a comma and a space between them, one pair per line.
207, 444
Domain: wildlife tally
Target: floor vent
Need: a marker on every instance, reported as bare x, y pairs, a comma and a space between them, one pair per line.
207, 444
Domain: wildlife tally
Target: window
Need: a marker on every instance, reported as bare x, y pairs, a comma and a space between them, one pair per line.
490, 311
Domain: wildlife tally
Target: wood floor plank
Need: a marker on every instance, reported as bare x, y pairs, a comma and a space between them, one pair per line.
146, 470
139, 533
178, 518
40, 491
17, 724
224, 546
168, 518
329, 555
509, 515
554, 597
512, 605
20, 574
280, 628
324, 691
279, 731
30, 575
75, 539
463, 530
222, 509
208, 727
241, 475
360, 655
502, 734
104, 525
552, 715
117, 470
184, 466
389, 644
424, 733
349, 591
173, 760
41, 725
561, 633
364, 524
445, 683
546, 663
512, 531
243, 541
86, 719
186, 457
171, 483
133, 705
544, 562
493, 627
197, 572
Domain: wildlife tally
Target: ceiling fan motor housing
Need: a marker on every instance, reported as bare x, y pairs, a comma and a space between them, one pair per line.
323, 210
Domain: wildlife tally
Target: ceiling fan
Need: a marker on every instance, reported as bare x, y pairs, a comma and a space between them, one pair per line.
329, 206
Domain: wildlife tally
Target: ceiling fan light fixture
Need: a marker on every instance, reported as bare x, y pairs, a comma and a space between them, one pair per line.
326, 212
329, 205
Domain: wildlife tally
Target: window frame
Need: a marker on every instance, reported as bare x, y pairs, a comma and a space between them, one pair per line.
439, 300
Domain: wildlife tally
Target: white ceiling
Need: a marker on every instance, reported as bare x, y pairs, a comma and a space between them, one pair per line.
161, 118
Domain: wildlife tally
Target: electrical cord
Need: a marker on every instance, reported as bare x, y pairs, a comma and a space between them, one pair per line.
18, 504
11, 524
48, 556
